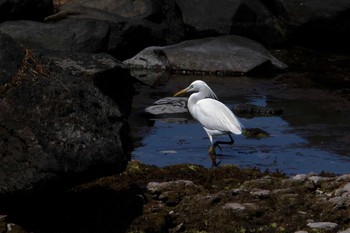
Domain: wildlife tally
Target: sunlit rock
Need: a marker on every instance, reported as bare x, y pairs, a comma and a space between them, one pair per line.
168, 105
215, 55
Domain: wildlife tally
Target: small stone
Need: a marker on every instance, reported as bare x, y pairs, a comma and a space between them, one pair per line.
323, 225
339, 202
343, 177
252, 208
309, 185
346, 188
261, 193
13, 228
299, 177
316, 179
345, 231
282, 191
236, 207
3, 224
343, 191
235, 192
159, 187
179, 228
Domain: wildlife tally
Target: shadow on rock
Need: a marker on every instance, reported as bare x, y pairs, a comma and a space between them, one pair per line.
99, 209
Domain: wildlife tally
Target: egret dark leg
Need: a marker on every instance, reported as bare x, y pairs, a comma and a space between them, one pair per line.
217, 143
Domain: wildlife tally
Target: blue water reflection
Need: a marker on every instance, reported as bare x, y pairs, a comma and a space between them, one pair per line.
174, 142
312, 135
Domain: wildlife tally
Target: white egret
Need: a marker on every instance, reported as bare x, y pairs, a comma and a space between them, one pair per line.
215, 117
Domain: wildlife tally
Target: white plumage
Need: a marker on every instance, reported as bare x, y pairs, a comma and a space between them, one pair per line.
215, 117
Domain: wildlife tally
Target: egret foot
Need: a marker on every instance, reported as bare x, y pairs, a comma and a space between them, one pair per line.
212, 150
213, 160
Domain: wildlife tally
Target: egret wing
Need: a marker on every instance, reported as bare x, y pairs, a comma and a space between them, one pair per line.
214, 115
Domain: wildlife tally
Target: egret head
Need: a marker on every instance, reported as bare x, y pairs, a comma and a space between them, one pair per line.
200, 87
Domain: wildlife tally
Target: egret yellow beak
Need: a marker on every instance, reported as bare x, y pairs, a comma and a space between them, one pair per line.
181, 92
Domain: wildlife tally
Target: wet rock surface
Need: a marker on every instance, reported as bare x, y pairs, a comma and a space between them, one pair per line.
255, 110
64, 104
190, 198
59, 122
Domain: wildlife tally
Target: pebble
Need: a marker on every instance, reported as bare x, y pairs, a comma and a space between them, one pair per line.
339, 202
235, 192
323, 225
299, 177
344, 191
179, 228
159, 187
234, 206
345, 231
261, 193
343, 177
316, 179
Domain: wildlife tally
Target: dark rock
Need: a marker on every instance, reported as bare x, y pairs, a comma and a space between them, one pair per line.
315, 23
25, 9
247, 18
11, 56
298, 12
255, 110
133, 25
168, 105
3, 223
57, 128
83, 64
148, 76
255, 133
172, 192
215, 55
126, 36
125, 8
108, 74
84, 35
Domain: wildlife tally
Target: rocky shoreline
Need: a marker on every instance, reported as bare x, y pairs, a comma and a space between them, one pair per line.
190, 198
66, 96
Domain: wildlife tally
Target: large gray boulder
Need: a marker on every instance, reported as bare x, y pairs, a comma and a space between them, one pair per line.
61, 122
83, 35
219, 55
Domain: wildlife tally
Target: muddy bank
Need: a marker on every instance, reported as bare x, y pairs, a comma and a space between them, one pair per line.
191, 198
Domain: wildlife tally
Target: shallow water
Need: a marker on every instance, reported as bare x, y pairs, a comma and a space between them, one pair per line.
312, 135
